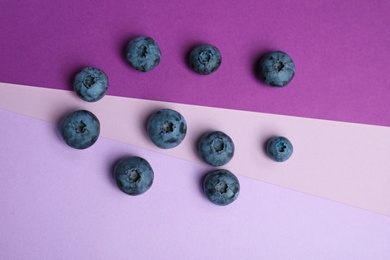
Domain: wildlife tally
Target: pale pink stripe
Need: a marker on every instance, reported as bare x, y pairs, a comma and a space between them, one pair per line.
343, 162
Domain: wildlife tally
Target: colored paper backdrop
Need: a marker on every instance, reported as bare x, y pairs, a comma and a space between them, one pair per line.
332, 160
340, 48
59, 203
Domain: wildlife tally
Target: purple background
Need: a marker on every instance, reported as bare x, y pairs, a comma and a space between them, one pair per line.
340, 48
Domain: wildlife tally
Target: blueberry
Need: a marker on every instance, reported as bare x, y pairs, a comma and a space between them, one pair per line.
80, 129
216, 148
279, 149
221, 187
90, 84
167, 128
205, 59
133, 175
143, 53
276, 69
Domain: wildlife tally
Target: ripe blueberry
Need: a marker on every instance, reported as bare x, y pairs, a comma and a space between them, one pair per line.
221, 187
276, 69
143, 53
216, 148
133, 175
167, 128
80, 129
279, 149
90, 84
205, 59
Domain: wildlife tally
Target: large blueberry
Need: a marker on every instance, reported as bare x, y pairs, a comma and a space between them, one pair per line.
133, 175
216, 148
221, 187
279, 149
276, 69
167, 128
90, 84
205, 59
80, 129
143, 53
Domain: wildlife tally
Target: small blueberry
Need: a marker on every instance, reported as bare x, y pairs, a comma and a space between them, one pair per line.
221, 187
216, 148
90, 84
279, 149
205, 59
133, 175
167, 128
276, 69
143, 53
80, 129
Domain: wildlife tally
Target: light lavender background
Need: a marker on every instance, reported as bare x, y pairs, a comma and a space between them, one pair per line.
61, 203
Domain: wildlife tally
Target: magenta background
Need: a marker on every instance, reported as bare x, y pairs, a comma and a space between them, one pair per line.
340, 48
59, 203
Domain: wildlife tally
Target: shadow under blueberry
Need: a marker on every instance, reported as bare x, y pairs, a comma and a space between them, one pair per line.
146, 121
124, 50
124, 43
256, 64
111, 168
57, 128
195, 146
73, 74
186, 55
201, 177
265, 144
57, 133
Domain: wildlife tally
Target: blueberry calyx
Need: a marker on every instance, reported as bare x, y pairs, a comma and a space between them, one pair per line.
144, 51
282, 148
221, 187
167, 127
218, 145
80, 127
279, 66
134, 175
205, 57
89, 81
